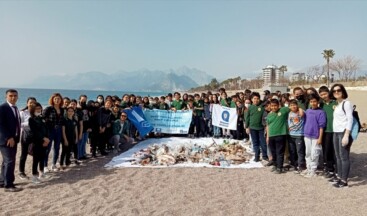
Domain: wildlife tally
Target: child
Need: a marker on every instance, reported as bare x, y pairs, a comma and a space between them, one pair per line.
70, 137
162, 103
313, 130
190, 106
276, 133
178, 104
255, 128
296, 140
207, 117
198, 118
328, 106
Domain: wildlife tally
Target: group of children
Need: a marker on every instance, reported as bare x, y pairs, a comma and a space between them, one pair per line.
275, 123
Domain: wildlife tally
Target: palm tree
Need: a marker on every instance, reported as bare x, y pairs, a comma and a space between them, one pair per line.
328, 54
282, 69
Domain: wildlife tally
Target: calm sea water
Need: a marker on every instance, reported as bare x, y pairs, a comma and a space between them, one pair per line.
42, 95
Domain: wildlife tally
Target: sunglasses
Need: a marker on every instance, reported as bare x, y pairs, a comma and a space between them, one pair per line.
337, 90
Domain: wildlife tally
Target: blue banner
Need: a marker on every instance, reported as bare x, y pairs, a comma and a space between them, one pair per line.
169, 122
137, 118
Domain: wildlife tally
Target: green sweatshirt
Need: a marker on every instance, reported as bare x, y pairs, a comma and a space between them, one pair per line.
329, 109
254, 116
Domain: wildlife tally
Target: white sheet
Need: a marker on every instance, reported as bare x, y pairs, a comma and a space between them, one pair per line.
124, 159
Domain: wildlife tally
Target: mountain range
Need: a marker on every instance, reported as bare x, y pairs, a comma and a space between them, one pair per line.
145, 80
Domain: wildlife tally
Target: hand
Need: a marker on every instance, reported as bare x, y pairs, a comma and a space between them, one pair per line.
319, 142
345, 140
89, 130
45, 144
80, 136
267, 140
76, 141
11, 143
248, 130
66, 143
46, 140
108, 125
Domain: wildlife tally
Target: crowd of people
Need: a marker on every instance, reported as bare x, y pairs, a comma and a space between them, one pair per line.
312, 128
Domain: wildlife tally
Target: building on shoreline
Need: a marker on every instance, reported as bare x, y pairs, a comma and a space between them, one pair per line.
273, 77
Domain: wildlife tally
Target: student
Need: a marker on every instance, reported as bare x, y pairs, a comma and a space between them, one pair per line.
299, 96
342, 126
104, 123
255, 128
328, 105
78, 117
313, 130
125, 101
239, 133
207, 118
169, 100
277, 133
226, 102
190, 106
84, 108
216, 129
26, 135
121, 133
40, 141
162, 103
178, 104
296, 141
70, 137
198, 117
66, 102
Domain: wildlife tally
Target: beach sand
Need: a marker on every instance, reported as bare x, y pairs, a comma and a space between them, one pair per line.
90, 189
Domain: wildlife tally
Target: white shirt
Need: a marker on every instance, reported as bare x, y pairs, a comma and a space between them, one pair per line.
24, 119
343, 120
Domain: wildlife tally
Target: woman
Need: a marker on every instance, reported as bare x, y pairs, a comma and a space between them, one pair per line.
216, 129
40, 138
104, 124
342, 125
53, 116
26, 135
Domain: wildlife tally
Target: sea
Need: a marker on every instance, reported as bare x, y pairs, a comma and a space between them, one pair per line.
43, 95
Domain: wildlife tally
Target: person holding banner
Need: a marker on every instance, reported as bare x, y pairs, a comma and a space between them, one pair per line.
227, 102
198, 117
255, 127
178, 104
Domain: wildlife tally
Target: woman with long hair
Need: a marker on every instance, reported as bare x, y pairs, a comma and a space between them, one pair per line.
26, 136
53, 116
342, 125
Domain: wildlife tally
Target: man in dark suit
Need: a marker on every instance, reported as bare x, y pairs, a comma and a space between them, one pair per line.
9, 137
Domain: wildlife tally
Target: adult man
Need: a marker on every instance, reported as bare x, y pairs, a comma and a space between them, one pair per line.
9, 137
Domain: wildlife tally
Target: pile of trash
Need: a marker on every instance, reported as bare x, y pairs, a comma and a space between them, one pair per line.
214, 154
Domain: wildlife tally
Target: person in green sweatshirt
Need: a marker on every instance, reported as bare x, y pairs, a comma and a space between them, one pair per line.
277, 130
328, 105
255, 127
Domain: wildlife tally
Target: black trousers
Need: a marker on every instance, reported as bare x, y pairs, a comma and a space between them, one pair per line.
328, 151
277, 148
8, 165
199, 125
23, 155
39, 153
65, 154
297, 151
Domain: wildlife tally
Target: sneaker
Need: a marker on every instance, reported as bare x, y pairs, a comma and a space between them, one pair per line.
274, 168
304, 172
46, 170
35, 180
54, 168
311, 174
271, 163
256, 159
341, 184
278, 171
23, 176
334, 180
329, 175
44, 176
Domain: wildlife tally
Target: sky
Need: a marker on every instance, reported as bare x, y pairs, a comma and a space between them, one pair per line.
223, 38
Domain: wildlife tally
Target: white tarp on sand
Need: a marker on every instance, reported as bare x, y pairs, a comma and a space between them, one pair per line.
124, 159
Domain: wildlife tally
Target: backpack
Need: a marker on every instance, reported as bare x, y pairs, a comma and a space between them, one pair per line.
356, 126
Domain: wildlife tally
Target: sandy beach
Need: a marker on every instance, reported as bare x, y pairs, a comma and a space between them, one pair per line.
90, 189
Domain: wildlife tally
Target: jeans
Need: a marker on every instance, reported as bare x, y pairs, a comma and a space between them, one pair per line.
342, 156
328, 151
277, 148
259, 142
82, 145
216, 131
55, 140
297, 151
65, 154
313, 152
199, 125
